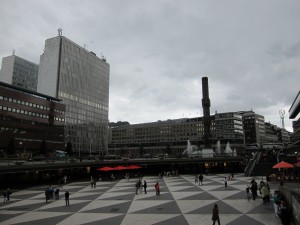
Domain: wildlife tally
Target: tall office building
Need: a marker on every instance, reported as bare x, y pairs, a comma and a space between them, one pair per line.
19, 72
81, 79
254, 127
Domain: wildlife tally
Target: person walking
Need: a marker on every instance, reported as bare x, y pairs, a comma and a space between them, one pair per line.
225, 182
145, 187
157, 189
215, 214
201, 179
67, 198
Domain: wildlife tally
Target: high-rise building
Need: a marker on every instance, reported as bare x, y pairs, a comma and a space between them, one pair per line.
254, 127
19, 72
81, 79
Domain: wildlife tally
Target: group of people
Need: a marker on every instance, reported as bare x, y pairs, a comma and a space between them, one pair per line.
50, 192
6, 195
139, 186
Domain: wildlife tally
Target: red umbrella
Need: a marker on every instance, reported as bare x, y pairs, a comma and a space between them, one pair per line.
120, 168
106, 168
283, 165
132, 167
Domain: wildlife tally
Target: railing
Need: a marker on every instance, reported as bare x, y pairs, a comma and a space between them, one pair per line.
252, 163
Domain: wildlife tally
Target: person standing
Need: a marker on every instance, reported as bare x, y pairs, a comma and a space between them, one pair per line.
265, 193
276, 202
248, 192
145, 187
157, 189
225, 182
136, 188
8, 193
57, 193
67, 198
215, 214
201, 179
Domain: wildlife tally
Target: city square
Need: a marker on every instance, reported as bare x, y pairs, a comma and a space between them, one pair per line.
181, 201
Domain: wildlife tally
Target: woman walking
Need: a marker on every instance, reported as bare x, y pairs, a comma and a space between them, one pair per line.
215, 214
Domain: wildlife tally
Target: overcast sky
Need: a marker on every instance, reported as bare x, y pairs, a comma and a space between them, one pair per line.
159, 51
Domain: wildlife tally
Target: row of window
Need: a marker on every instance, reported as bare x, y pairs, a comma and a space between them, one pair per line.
30, 104
25, 112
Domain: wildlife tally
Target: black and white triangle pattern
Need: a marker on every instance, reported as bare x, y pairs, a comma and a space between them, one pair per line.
111, 203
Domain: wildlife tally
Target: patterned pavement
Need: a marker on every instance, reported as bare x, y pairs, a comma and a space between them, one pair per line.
111, 203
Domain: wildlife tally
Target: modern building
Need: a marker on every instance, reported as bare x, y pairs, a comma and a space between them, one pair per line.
294, 112
159, 137
240, 129
81, 79
28, 118
229, 127
254, 128
19, 72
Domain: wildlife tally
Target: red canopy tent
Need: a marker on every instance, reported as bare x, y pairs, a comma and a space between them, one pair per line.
133, 167
106, 168
120, 168
283, 165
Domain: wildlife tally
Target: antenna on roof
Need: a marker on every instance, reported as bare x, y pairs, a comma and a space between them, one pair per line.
103, 57
59, 32
13, 52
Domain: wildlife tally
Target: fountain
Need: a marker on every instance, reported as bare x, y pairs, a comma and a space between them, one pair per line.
228, 150
218, 148
234, 152
191, 149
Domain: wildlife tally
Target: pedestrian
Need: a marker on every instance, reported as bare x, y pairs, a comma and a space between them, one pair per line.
157, 189
4, 196
47, 194
196, 179
136, 188
140, 186
8, 193
265, 193
215, 214
57, 193
67, 198
248, 192
276, 202
253, 189
201, 179
284, 214
225, 182
145, 187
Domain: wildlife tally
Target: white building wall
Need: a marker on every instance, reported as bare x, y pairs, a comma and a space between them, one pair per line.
7, 68
48, 70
